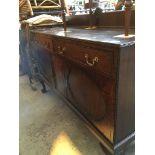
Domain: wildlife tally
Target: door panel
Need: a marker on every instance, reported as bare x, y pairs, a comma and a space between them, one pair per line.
85, 94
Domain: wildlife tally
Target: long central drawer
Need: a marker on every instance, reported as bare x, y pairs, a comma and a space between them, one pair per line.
99, 60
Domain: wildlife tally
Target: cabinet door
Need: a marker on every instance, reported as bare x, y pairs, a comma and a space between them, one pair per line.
43, 58
83, 91
93, 95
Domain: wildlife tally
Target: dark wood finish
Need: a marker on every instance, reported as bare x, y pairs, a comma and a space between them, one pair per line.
101, 85
108, 19
105, 63
99, 108
75, 20
80, 88
128, 4
116, 19
44, 41
100, 89
125, 115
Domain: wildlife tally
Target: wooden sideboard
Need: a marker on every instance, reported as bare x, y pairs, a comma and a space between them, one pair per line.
93, 71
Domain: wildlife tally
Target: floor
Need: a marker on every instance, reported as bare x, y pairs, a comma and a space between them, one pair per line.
49, 127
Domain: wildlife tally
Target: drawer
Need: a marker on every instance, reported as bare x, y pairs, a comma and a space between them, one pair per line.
99, 60
44, 41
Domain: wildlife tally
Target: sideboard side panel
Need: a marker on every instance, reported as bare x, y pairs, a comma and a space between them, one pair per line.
125, 113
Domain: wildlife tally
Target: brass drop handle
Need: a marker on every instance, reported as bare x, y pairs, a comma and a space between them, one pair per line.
64, 49
61, 51
95, 60
59, 48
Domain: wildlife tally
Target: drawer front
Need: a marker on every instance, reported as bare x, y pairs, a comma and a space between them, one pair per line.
97, 59
44, 41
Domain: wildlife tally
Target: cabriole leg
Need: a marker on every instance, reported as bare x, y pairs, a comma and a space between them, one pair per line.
43, 90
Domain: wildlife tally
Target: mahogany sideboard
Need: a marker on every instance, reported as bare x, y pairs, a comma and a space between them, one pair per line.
94, 73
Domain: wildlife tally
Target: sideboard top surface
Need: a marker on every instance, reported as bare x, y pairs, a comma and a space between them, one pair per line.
100, 35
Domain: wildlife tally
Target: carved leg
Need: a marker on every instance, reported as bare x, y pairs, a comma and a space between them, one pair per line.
43, 90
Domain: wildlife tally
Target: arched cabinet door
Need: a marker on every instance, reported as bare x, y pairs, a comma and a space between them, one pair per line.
85, 94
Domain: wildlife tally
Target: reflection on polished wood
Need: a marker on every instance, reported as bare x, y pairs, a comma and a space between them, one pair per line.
105, 127
63, 145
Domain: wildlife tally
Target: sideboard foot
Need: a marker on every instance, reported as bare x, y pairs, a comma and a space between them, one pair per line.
43, 90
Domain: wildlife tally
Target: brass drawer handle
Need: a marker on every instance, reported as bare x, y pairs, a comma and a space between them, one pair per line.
61, 51
95, 60
64, 49
59, 47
